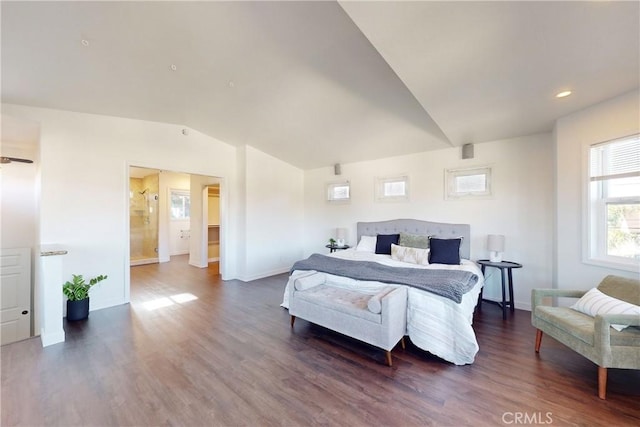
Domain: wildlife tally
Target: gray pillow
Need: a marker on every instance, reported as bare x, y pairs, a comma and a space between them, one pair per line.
414, 240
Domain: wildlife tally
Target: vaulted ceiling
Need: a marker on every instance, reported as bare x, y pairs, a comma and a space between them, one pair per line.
317, 83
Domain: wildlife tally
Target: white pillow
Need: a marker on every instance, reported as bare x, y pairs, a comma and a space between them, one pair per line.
375, 302
308, 281
367, 244
595, 302
412, 255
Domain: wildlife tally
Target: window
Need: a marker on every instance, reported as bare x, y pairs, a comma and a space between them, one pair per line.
614, 203
338, 192
180, 204
392, 189
465, 183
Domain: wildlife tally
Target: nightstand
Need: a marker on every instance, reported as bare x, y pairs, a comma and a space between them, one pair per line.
333, 248
505, 267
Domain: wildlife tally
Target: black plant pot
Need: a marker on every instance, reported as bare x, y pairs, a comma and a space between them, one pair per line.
77, 310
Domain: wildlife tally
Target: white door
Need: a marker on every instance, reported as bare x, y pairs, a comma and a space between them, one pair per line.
15, 294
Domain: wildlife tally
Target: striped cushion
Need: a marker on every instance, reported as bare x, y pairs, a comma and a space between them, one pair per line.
595, 302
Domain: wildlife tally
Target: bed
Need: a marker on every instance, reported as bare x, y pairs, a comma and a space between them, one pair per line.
435, 323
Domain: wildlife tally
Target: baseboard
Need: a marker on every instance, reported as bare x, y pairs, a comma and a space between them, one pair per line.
179, 253
145, 261
198, 265
264, 274
523, 305
100, 305
519, 304
51, 338
216, 259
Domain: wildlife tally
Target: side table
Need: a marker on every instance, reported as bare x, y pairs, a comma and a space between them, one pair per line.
504, 266
333, 248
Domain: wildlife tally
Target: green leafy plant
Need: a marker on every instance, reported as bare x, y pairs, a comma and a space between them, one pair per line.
78, 289
332, 241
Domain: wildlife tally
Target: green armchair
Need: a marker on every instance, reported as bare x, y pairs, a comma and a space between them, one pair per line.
592, 337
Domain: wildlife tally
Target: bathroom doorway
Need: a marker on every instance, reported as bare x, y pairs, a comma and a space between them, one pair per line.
144, 186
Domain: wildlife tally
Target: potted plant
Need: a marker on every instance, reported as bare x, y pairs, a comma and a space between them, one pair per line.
77, 293
332, 242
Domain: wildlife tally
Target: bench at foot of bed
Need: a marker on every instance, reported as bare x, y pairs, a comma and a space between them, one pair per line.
379, 320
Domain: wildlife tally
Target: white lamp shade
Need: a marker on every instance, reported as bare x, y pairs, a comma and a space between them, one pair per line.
495, 243
341, 235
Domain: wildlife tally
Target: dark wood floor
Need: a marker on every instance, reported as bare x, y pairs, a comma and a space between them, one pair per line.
230, 358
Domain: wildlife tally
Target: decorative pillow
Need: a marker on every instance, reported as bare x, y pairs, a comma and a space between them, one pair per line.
375, 302
367, 244
308, 281
414, 240
595, 302
444, 251
411, 255
384, 242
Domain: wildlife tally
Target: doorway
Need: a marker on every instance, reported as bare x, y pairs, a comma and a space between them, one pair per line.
213, 223
169, 216
144, 186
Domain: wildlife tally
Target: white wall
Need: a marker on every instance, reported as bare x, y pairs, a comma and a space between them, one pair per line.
521, 207
18, 199
573, 135
19, 209
84, 164
273, 199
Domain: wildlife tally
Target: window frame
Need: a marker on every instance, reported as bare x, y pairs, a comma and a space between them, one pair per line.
380, 183
330, 195
595, 214
180, 192
451, 175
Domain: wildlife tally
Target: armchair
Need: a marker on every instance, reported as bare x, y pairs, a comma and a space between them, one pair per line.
592, 337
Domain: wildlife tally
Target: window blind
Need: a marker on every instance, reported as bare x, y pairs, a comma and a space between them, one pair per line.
615, 159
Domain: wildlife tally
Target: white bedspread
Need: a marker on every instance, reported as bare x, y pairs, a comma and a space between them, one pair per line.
434, 323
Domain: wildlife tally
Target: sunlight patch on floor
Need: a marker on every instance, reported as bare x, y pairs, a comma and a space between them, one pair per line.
168, 301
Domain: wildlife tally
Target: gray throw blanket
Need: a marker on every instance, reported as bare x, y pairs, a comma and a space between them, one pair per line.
451, 284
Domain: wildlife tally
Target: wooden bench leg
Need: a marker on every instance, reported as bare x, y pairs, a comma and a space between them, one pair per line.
389, 358
293, 319
602, 382
538, 340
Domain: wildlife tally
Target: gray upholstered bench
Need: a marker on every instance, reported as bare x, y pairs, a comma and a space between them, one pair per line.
379, 320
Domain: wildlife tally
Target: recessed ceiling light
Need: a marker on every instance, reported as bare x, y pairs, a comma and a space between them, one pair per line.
173, 67
84, 42
232, 84
563, 94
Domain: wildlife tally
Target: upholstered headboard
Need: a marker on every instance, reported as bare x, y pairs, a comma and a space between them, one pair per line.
416, 226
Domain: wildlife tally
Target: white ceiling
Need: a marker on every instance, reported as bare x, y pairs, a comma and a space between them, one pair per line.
316, 83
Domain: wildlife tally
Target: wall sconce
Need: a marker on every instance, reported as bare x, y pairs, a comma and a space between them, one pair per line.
495, 245
341, 235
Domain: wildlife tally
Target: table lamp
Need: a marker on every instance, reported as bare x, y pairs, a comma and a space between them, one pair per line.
495, 245
341, 234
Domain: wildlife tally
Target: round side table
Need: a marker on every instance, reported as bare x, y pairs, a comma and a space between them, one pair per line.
504, 267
